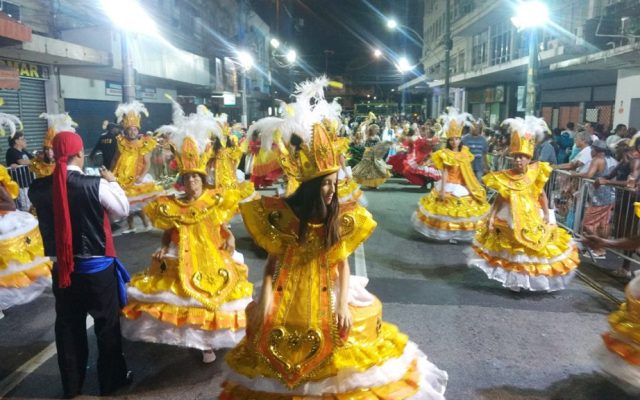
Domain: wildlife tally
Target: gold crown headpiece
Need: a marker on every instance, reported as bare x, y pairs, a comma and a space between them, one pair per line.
190, 139
453, 122
129, 114
57, 123
524, 133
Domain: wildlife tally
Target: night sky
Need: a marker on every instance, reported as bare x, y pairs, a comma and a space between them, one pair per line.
349, 29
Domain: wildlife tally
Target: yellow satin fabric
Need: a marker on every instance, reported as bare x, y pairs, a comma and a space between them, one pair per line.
349, 187
130, 163
41, 168
202, 270
459, 163
303, 309
403, 388
455, 207
624, 340
523, 192
21, 249
9, 184
25, 278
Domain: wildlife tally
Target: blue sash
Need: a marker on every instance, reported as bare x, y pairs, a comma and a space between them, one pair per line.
97, 264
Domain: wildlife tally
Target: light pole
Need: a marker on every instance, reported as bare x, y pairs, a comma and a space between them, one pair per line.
447, 51
403, 65
531, 15
246, 62
134, 21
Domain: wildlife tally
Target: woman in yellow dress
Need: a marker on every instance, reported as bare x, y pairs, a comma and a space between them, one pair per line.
24, 270
316, 332
456, 206
520, 244
196, 289
133, 160
372, 171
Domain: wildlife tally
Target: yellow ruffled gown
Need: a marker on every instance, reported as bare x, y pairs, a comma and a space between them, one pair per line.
465, 201
515, 246
371, 171
129, 168
24, 270
297, 352
619, 355
197, 295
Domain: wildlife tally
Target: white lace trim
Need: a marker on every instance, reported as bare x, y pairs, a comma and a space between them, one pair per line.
440, 234
10, 297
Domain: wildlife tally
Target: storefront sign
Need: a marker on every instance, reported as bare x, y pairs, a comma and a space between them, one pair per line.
27, 70
115, 89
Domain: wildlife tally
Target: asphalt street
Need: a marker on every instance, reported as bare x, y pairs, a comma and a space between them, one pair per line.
495, 344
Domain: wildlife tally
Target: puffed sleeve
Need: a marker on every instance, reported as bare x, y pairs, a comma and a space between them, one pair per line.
544, 171
437, 159
491, 181
262, 223
356, 225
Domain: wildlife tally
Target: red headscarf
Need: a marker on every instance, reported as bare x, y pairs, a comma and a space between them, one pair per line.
65, 144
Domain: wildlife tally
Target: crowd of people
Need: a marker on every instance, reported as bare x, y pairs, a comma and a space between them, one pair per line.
314, 330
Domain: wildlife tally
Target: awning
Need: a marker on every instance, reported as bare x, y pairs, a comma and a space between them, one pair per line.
619, 58
13, 32
9, 78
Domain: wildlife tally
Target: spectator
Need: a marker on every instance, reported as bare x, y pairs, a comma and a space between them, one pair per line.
107, 145
479, 147
618, 134
583, 159
591, 130
16, 153
544, 150
565, 144
570, 130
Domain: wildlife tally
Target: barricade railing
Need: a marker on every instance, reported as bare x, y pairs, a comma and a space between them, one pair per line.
582, 207
500, 162
22, 175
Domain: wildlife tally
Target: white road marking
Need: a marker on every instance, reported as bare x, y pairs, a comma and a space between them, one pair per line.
361, 264
13, 380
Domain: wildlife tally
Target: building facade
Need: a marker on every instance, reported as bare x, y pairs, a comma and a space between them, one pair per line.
72, 61
489, 59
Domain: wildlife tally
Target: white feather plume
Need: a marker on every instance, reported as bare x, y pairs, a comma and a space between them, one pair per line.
529, 126
9, 122
177, 113
125, 108
452, 114
312, 89
60, 122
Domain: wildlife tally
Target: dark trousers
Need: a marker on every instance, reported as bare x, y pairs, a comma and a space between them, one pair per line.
96, 295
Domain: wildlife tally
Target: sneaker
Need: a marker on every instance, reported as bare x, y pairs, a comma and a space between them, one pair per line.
127, 231
622, 273
146, 228
453, 241
208, 356
1, 314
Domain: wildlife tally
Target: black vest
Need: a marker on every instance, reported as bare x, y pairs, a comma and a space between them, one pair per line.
88, 217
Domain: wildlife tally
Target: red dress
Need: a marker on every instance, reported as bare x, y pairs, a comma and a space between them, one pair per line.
397, 160
415, 169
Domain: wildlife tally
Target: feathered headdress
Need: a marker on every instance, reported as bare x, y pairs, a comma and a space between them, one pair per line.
57, 123
453, 122
9, 122
524, 133
190, 138
129, 113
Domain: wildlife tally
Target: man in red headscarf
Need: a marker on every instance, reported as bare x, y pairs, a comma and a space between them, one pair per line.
73, 210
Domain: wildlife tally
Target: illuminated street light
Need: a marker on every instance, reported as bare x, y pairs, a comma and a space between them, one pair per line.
134, 20
404, 65
275, 43
245, 59
377, 53
530, 14
291, 56
392, 23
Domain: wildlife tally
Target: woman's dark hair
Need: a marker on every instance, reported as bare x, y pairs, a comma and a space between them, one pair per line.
450, 146
308, 205
14, 139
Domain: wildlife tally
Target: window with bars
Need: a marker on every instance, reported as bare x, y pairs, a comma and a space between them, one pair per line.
479, 48
501, 43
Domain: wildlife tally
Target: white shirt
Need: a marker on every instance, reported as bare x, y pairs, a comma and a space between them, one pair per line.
585, 158
111, 195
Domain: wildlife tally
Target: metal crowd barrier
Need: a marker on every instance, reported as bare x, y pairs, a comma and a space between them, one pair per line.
23, 176
572, 197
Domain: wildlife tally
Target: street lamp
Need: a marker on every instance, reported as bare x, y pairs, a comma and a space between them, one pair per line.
246, 61
377, 53
291, 56
275, 43
392, 23
404, 65
134, 20
531, 15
